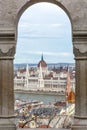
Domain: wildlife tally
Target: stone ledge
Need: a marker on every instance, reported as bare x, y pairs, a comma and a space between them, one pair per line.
6, 124
44, 129
79, 127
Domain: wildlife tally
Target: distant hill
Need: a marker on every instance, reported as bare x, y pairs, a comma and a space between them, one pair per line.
61, 64
23, 65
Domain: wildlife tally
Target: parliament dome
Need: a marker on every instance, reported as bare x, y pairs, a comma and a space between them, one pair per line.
42, 63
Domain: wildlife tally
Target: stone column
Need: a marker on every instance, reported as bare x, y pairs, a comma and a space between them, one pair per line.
7, 50
80, 52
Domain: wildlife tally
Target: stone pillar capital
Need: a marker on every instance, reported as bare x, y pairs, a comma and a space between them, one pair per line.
80, 51
80, 45
7, 51
7, 44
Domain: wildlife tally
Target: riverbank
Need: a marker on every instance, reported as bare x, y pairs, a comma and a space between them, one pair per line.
40, 92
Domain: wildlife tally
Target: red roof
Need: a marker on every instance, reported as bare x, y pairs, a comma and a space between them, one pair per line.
22, 70
42, 63
71, 97
44, 126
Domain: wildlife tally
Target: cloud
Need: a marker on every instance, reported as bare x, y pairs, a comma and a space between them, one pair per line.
66, 54
39, 25
55, 25
34, 37
24, 60
43, 26
50, 57
40, 31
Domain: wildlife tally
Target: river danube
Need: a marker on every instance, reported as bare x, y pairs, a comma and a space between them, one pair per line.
47, 99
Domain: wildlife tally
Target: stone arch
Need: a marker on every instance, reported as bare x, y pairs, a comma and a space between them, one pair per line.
30, 3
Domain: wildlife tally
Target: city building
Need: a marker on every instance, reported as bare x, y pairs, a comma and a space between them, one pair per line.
42, 78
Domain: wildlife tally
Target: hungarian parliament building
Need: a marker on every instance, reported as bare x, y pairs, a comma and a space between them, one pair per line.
44, 78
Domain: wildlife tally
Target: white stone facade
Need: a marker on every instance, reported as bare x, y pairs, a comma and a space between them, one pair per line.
42, 80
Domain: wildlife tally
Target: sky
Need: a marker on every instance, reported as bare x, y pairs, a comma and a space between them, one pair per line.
44, 28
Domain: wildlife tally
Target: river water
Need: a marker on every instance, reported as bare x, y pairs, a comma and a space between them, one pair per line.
42, 97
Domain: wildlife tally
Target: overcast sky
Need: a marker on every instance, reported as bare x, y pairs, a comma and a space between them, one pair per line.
44, 28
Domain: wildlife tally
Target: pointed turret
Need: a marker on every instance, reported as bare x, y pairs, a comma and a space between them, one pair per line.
27, 71
27, 75
42, 58
40, 73
40, 78
70, 95
68, 84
